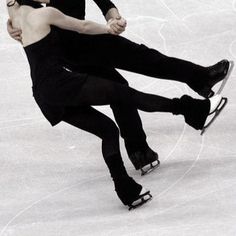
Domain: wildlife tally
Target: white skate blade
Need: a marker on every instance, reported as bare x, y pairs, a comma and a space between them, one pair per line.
214, 101
150, 167
218, 107
144, 197
224, 81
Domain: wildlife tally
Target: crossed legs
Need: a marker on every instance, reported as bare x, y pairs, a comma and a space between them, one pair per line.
79, 113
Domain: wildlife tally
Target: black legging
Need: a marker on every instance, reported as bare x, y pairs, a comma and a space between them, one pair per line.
99, 55
109, 51
127, 117
85, 117
105, 92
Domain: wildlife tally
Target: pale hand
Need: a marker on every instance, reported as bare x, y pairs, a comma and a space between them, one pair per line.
118, 25
14, 32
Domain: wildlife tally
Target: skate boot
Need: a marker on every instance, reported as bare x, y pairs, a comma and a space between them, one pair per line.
146, 160
143, 197
218, 72
131, 193
196, 111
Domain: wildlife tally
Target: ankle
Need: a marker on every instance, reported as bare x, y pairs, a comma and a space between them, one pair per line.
116, 166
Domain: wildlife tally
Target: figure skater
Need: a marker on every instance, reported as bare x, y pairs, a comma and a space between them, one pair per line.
99, 56
63, 95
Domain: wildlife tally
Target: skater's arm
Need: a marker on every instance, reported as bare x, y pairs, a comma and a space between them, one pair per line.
14, 32
111, 12
108, 8
119, 23
57, 18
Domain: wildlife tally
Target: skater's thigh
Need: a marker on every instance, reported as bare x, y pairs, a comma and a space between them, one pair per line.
103, 72
91, 120
108, 73
100, 91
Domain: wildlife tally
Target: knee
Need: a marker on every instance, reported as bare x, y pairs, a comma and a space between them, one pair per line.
110, 132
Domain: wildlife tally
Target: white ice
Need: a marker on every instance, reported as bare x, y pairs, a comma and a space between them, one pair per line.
54, 182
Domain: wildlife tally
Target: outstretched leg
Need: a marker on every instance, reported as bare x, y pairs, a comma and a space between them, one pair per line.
105, 92
127, 117
119, 52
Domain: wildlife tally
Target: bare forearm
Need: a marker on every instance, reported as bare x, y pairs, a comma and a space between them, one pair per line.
81, 26
113, 13
90, 27
57, 18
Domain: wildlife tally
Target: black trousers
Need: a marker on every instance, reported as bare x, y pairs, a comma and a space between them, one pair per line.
109, 51
105, 92
127, 118
100, 54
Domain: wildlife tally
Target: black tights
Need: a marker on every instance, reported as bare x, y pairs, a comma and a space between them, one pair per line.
105, 92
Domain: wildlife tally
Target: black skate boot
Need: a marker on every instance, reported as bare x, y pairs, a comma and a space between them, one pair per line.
145, 160
197, 111
144, 197
131, 193
216, 73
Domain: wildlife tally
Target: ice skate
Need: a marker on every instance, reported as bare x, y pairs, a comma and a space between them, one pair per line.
219, 72
195, 111
200, 114
143, 197
218, 103
150, 167
146, 161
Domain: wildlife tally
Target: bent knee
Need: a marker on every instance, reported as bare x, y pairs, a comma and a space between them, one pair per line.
109, 131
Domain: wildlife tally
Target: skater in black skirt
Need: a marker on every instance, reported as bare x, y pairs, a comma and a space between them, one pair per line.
63, 95
100, 55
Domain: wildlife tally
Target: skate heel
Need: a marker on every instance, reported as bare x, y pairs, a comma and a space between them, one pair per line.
206, 92
144, 197
146, 161
217, 104
150, 167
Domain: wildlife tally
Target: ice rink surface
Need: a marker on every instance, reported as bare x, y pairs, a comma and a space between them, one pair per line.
54, 182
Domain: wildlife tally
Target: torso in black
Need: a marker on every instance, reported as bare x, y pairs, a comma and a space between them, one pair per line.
54, 87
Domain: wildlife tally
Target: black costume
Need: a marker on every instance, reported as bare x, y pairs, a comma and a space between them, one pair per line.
127, 118
68, 96
99, 55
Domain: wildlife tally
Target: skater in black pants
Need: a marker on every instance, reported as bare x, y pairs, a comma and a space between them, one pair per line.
68, 96
99, 55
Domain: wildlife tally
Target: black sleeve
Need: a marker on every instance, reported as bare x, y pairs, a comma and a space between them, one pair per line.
105, 5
